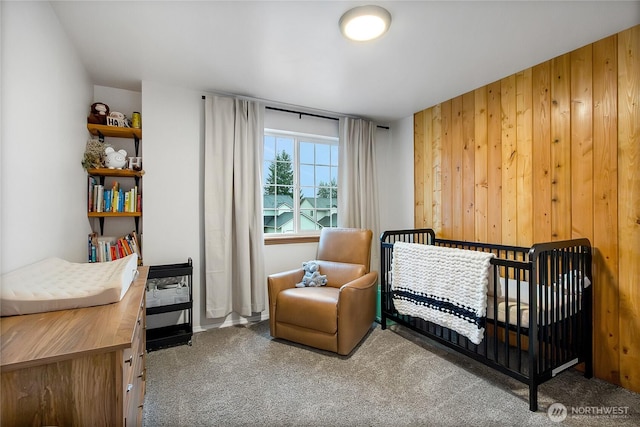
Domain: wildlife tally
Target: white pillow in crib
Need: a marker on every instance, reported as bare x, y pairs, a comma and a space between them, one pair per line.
492, 289
513, 289
576, 276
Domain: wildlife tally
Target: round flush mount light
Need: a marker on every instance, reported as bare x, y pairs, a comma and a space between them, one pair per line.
365, 23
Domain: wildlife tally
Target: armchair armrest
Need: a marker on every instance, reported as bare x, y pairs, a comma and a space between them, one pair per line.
362, 282
287, 279
356, 310
277, 283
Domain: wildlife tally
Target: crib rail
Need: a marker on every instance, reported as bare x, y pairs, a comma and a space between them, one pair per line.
562, 270
536, 327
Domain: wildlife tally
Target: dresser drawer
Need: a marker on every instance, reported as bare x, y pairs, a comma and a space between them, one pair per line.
134, 373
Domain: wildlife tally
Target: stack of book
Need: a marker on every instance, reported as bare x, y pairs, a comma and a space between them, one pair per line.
113, 199
102, 249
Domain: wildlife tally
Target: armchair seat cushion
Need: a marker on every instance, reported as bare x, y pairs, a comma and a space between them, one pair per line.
314, 308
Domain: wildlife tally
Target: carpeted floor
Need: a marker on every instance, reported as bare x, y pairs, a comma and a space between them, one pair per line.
240, 376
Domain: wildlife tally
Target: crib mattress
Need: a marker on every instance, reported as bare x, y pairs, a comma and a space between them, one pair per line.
553, 312
56, 284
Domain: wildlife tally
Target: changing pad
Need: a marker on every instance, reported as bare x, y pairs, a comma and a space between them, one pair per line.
56, 284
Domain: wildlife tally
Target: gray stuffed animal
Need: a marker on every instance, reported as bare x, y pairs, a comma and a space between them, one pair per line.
312, 276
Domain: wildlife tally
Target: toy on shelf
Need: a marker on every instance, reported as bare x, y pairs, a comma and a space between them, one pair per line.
115, 159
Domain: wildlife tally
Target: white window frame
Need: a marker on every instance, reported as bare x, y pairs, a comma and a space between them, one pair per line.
298, 137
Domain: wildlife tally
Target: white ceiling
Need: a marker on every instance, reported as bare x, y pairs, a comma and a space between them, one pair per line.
292, 52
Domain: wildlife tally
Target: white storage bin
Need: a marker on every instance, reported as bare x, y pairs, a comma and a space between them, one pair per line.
167, 291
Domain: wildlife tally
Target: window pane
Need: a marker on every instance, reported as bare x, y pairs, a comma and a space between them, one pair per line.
306, 152
281, 171
334, 155
266, 168
322, 154
269, 192
308, 192
307, 220
284, 222
286, 145
285, 193
334, 176
307, 175
269, 147
323, 176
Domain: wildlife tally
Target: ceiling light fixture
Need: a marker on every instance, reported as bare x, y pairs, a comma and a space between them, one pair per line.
365, 23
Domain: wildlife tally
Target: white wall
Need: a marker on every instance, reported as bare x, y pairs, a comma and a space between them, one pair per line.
282, 120
395, 176
46, 95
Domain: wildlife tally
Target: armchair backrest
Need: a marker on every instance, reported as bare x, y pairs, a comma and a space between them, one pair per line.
349, 245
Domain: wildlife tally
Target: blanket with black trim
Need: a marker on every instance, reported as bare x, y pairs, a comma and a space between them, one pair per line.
446, 286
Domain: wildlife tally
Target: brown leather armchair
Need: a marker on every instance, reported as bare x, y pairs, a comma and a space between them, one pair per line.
334, 317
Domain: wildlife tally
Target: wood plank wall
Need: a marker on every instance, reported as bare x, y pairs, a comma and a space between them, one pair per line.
549, 153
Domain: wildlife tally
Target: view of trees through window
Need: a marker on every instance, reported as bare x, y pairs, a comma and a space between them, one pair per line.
300, 183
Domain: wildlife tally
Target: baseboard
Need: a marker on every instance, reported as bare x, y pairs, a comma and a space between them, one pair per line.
233, 322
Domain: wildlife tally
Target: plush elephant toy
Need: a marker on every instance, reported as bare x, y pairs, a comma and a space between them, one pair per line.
312, 276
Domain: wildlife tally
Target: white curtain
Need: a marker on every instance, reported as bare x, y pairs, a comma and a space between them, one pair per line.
234, 237
357, 180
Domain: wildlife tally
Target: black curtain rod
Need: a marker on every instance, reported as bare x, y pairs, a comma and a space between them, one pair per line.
301, 113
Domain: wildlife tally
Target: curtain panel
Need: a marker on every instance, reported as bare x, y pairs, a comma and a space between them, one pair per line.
357, 180
234, 237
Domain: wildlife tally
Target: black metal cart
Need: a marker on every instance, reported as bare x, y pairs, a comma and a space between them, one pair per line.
170, 289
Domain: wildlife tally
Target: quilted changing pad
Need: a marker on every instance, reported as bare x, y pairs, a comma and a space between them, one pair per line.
55, 284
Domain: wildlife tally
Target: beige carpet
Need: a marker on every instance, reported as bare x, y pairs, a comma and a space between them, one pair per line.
240, 376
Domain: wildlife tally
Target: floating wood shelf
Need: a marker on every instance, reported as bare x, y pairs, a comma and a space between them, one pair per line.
112, 214
123, 173
113, 131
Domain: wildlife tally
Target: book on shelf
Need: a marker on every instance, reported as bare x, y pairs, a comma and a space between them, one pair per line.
113, 199
92, 185
106, 248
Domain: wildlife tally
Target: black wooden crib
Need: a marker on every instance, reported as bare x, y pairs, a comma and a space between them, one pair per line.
538, 306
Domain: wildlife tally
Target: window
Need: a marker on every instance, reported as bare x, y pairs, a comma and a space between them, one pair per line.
300, 182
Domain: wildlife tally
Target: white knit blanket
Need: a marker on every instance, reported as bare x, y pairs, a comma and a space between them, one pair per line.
446, 286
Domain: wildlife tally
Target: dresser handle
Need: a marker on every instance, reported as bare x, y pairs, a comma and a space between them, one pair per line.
130, 361
129, 387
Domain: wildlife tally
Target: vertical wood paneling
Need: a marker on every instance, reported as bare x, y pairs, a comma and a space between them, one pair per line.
524, 136
418, 169
556, 155
468, 166
480, 165
509, 160
447, 193
581, 144
437, 168
629, 205
427, 156
541, 151
561, 148
605, 210
457, 145
494, 163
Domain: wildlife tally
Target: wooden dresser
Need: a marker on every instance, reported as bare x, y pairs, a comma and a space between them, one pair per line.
82, 367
